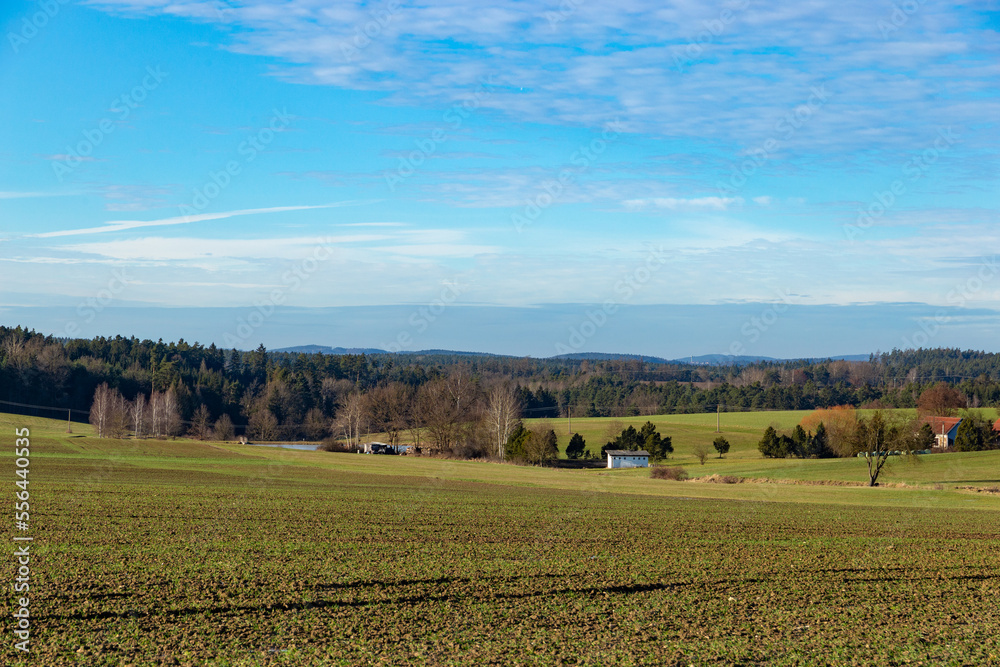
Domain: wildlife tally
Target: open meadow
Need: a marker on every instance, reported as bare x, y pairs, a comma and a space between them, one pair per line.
179, 552
742, 429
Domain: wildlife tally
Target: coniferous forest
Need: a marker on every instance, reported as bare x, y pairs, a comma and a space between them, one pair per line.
294, 396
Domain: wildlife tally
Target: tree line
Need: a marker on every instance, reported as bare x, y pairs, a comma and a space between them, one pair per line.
290, 396
843, 431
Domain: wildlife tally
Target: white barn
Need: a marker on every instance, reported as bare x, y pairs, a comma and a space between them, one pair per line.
620, 458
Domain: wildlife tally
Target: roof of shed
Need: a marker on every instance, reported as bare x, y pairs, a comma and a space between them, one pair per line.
942, 424
625, 452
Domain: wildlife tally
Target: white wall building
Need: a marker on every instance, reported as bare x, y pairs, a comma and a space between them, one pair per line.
620, 458
383, 448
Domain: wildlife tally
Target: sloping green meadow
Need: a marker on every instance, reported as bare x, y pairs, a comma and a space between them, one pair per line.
742, 429
151, 553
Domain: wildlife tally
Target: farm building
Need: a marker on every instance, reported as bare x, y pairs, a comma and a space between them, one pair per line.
383, 448
945, 429
621, 458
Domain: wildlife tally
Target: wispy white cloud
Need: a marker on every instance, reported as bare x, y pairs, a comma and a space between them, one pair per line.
123, 225
686, 69
165, 249
7, 194
452, 250
680, 203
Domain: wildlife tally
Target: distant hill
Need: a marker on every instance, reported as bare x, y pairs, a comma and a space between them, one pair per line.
731, 360
455, 353
722, 360
604, 356
326, 349
699, 360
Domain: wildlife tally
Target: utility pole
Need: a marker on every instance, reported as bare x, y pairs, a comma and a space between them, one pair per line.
718, 419
569, 413
69, 420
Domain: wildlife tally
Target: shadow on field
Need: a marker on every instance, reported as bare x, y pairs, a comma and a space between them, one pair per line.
481, 595
421, 582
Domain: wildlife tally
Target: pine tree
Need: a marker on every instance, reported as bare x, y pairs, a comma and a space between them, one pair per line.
576, 447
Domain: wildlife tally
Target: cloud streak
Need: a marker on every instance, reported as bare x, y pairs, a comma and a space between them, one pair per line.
7, 194
693, 203
124, 225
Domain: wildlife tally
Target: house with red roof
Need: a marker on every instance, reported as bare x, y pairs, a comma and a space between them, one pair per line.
945, 429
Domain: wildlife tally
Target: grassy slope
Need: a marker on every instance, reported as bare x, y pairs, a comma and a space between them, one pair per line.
741, 429
950, 470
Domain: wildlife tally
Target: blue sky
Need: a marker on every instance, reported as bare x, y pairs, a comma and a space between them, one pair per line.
792, 159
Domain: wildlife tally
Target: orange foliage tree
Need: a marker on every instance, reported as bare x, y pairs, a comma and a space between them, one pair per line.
841, 422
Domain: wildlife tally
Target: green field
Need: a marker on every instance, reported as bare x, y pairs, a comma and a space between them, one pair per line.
742, 429
180, 552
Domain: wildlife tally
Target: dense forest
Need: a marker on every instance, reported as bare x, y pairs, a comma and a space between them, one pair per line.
301, 395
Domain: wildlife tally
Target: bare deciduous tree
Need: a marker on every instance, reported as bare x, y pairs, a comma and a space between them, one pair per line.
440, 414
352, 418
100, 410
613, 429
316, 425
173, 413
223, 429
156, 414
263, 425
165, 418
109, 412
201, 423
941, 400
541, 445
878, 437
137, 412
503, 412
119, 418
388, 407
751, 375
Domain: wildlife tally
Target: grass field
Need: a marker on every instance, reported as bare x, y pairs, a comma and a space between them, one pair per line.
179, 552
742, 429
